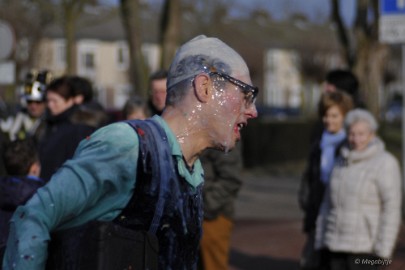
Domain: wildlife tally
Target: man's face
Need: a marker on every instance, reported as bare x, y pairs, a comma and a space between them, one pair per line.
231, 111
158, 94
35, 108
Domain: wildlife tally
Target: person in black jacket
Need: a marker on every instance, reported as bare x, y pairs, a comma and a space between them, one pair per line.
21, 182
333, 108
89, 111
62, 135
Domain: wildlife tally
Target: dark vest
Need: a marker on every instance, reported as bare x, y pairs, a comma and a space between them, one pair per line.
163, 203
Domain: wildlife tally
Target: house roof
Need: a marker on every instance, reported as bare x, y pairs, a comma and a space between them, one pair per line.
104, 24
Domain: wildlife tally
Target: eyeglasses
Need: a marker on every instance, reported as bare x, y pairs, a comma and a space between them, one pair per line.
249, 90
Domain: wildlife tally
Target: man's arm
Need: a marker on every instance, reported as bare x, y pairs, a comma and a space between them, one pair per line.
96, 184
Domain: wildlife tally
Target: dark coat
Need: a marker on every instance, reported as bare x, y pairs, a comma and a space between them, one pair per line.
222, 181
14, 191
59, 143
312, 188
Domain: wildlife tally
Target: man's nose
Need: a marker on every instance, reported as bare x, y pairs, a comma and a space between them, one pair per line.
252, 111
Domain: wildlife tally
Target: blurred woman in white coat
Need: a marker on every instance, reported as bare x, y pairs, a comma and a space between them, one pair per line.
359, 219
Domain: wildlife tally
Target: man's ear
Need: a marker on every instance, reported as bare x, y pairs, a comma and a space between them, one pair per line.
202, 87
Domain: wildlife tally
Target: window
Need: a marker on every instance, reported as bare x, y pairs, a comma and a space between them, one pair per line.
60, 54
89, 62
122, 56
88, 53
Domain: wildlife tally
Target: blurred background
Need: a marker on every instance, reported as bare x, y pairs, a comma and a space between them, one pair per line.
289, 46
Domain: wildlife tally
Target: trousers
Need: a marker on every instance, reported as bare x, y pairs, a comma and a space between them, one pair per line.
215, 243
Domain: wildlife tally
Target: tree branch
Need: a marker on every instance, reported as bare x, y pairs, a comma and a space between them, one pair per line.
342, 34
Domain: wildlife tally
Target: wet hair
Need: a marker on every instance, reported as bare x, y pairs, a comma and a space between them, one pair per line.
81, 86
62, 86
361, 115
19, 156
191, 65
340, 99
133, 104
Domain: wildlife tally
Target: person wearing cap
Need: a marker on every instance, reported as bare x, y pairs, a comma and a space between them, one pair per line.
29, 123
146, 174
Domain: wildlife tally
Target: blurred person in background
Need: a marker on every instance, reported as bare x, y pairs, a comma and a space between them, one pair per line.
222, 182
62, 135
88, 110
20, 183
157, 98
333, 108
338, 80
361, 211
343, 80
135, 108
29, 121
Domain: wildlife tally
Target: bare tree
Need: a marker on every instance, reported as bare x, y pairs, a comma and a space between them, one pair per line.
364, 54
208, 15
130, 10
170, 31
71, 11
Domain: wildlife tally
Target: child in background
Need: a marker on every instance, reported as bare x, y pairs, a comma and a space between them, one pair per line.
21, 182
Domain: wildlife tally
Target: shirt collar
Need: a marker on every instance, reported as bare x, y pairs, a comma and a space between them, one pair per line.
194, 178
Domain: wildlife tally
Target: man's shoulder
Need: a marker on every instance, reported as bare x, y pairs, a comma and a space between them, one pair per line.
115, 129
116, 136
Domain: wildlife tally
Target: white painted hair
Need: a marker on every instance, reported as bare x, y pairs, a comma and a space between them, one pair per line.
200, 55
361, 115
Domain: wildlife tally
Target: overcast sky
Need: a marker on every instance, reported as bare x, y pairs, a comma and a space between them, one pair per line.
316, 10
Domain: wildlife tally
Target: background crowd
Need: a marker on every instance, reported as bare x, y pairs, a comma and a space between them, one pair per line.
350, 191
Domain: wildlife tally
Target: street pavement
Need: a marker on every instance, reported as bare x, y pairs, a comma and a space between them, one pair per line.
267, 233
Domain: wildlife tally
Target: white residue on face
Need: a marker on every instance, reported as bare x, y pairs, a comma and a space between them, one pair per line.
218, 123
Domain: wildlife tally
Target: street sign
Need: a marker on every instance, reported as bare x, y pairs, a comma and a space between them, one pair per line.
392, 21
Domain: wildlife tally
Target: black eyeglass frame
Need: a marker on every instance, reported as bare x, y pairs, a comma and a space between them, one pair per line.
246, 88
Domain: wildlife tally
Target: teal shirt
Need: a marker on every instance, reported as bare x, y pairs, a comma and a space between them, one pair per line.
96, 184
